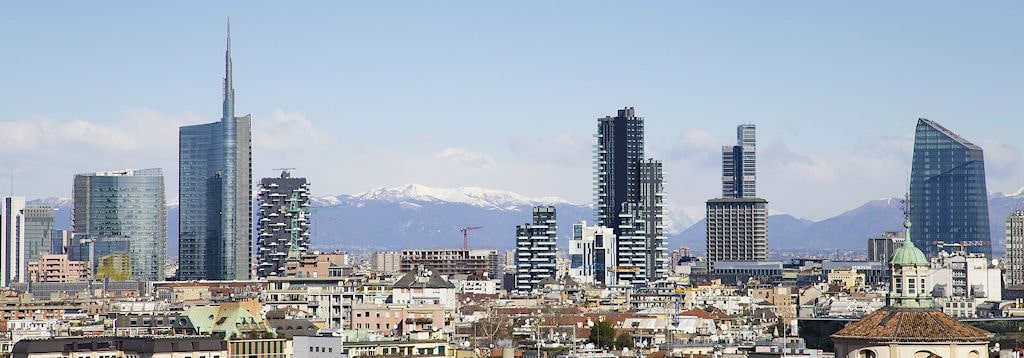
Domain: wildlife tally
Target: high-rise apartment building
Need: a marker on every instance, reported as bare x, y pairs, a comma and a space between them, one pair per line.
591, 253
215, 193
739, 169
129, 205
948, 197
283, 228
620, 147
737, 229
12, 234
1015, 248
536, 252
641, 253
630, 188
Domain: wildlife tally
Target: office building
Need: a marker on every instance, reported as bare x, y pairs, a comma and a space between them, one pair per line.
39, 222
591, 254
536, 249
881, 248
60, 240
12, 235
737, 229
447, 262
282, 232
126, 204
1015, 248
215, 193
739, 169
948, 197
737, 223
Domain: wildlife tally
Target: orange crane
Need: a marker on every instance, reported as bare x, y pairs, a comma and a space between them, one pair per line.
465, 235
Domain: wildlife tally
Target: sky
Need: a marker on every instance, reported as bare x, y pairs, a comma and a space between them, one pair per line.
506, 95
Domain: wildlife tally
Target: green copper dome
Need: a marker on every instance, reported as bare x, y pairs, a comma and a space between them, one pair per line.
908, 254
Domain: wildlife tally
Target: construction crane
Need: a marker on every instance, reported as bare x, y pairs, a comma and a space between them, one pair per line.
285, 172
465, 235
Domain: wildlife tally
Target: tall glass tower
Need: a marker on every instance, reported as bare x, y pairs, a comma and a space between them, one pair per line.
215, 193
739, 164
128, 205
948, 198
620, 147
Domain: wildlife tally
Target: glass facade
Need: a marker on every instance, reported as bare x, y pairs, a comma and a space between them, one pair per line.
39, 223
215, 191
948, 197
126, 204
739, 164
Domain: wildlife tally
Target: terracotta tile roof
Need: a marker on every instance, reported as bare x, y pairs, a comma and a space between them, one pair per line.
890, 324
697, 312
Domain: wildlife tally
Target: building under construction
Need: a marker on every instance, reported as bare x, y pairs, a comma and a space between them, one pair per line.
453, 261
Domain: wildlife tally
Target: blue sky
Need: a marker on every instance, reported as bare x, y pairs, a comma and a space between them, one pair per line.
358, 95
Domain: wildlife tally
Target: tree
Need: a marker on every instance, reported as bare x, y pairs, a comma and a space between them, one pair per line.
624, 340
602, 335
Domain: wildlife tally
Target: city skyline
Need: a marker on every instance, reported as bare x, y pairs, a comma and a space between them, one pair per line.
413, 95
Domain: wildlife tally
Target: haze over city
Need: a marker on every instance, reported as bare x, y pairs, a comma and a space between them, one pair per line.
505, 96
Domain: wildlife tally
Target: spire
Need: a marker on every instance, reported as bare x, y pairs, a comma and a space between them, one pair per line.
229, 90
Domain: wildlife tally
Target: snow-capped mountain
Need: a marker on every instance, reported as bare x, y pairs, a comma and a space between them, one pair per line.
475, 196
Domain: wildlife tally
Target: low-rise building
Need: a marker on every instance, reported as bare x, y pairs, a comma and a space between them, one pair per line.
106, 347
57, 268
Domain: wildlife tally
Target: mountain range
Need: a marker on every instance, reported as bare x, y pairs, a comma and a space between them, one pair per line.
417, 216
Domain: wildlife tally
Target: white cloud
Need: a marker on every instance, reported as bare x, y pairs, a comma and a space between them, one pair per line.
563, 149
465, 157
45, 153
284, 130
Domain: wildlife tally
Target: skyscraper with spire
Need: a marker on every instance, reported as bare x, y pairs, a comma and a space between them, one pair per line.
215, 193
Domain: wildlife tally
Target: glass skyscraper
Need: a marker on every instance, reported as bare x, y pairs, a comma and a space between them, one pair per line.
739, 164
126, 204
948, 198
39, 222
215, 194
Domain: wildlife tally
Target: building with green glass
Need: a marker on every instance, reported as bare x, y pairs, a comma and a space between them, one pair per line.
127, 204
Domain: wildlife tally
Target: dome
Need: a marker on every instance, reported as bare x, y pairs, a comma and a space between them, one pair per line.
908, 254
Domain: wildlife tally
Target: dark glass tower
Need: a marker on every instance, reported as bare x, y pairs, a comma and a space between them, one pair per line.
629, 198
948, 198
215, 194
620, 148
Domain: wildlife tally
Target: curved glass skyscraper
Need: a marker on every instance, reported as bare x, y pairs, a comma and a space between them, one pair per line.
215, 194
948, 198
